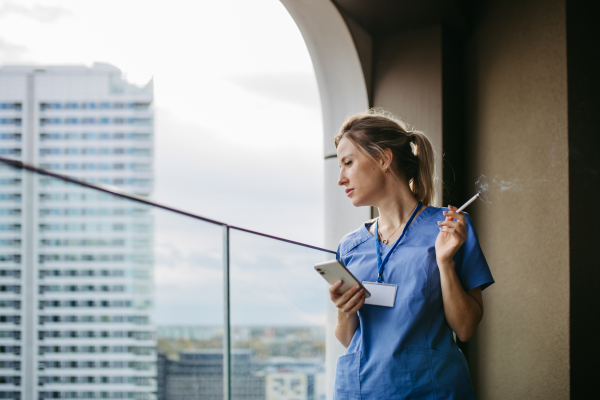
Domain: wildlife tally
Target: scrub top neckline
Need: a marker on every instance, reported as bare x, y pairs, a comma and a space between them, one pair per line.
423, 215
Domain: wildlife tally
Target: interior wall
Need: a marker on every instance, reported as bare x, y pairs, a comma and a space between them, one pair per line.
517, 132
407, 80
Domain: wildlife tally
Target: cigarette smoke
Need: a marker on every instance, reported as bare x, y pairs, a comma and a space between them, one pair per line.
495, 187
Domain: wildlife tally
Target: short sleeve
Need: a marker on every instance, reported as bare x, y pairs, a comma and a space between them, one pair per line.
470, 263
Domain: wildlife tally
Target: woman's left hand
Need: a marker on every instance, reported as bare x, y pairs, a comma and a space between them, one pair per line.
453, 234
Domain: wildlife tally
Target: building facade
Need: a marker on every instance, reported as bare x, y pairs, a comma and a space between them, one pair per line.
76, 268
198, 374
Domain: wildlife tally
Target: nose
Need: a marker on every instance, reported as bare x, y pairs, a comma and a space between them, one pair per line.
342, 178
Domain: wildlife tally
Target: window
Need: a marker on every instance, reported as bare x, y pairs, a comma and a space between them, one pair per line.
15, 152
10, 121
10, 136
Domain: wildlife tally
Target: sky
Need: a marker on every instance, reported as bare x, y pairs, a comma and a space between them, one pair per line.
238, 130
238, 124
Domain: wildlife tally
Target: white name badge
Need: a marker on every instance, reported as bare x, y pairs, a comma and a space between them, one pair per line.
382, 294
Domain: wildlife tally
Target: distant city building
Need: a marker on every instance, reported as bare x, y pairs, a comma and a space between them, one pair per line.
198, 374
290, 378
288, 387
76, 268
189, 332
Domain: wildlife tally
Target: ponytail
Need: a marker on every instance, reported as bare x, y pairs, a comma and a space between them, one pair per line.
422, 182
376, 130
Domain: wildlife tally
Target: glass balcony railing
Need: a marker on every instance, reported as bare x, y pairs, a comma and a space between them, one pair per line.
109, 295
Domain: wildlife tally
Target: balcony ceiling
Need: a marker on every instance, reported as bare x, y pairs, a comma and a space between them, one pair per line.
390, 16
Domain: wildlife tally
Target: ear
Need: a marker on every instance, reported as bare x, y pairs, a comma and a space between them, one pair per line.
386, 158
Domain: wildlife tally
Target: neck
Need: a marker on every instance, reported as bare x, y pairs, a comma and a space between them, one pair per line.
396, 207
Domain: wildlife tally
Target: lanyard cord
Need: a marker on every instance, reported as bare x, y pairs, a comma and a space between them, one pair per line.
380, 264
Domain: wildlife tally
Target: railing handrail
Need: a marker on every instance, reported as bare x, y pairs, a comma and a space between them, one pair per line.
117, 192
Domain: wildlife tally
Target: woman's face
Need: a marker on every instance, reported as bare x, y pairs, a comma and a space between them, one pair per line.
362, 177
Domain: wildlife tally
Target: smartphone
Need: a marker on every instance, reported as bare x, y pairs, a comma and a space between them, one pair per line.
332, 271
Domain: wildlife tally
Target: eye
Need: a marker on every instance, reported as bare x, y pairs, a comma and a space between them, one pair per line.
348, 163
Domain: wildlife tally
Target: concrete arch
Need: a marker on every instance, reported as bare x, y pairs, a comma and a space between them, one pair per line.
342, 91
335, 59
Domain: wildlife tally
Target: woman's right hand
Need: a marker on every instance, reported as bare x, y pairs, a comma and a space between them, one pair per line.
349, 302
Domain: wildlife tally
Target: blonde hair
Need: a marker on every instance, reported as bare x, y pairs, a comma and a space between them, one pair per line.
375, 130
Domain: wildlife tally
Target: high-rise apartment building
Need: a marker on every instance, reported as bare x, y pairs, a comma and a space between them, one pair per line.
76, 284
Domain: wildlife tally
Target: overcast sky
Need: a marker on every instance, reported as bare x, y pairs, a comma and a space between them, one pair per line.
238, 123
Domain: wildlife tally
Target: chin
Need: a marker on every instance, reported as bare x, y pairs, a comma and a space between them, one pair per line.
356, 202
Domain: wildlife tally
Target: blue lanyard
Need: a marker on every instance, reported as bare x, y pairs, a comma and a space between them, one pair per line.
380, 264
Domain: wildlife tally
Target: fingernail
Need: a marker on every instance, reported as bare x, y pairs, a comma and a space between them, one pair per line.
362, 290
439, 222
357, 301
357, 286
340, 281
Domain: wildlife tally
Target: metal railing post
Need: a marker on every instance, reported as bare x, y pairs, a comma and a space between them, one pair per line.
227, 327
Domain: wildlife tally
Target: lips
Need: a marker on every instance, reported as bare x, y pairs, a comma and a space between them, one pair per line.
348, 191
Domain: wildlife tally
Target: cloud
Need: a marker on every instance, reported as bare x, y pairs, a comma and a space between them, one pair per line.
11, 52
206, 173
292, 87
37, 12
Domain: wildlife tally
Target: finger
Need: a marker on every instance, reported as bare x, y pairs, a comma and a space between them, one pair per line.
354, 300
349, 293
358, 305
454, 215
333, 289
460, 230
454, 231
447, 230
453, 224
458, 234
341, 300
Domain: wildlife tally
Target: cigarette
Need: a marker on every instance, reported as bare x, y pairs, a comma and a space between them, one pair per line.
468, 202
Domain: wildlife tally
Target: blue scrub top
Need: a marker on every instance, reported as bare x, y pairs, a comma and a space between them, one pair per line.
408, 351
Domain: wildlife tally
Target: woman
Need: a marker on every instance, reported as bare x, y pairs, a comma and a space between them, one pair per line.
432, 255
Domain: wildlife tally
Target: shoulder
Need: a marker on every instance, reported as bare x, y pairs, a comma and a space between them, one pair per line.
354, 238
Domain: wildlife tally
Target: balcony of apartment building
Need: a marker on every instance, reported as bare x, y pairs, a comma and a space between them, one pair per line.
504, 87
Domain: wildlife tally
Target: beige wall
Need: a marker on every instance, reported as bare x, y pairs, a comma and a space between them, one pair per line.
517, 118
407, 80
517, 129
